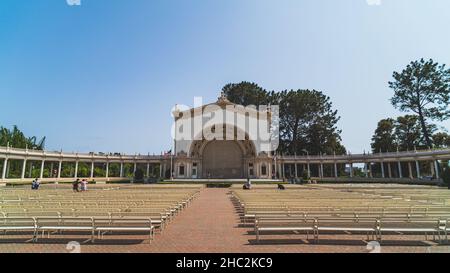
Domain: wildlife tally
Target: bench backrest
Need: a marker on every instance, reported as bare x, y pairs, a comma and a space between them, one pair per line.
17, 221
123, 222
65, 221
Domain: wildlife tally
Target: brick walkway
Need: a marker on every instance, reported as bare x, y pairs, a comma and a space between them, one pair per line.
211, 224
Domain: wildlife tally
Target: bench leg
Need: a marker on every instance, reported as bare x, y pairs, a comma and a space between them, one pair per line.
150, 237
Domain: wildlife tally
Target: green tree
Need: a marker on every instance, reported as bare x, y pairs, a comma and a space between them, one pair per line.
383, 139
15, 138
423, 88
307, 120
408, 133
307, 123
246, 93
441, 140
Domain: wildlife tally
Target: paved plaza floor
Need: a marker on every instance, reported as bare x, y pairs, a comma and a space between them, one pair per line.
211, 224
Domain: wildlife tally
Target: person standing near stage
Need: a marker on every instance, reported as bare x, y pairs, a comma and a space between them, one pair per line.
75, 185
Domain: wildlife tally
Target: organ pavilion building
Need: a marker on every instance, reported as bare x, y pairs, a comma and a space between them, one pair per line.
224, 141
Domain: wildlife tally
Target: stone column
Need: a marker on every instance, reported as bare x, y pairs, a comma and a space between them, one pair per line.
321, 170
107, 170
121, 170
296, 170
370, 170
382, 170
436, 168
365, 170
400, 175
41, 175
148, 170
24, 166
309, 170
76, 169
5, 166
351, 170
269, 168
335, 170
410, 170
418, 169
59, 169
92, 169
161, 169
389, 170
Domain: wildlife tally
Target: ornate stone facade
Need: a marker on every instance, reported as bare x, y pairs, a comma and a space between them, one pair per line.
230, 157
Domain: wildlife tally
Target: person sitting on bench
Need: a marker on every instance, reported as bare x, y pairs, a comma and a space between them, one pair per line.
248, 184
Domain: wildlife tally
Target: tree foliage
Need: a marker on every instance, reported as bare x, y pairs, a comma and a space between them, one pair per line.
405, 134
307, 119
441, 140
15, 138
246, 93
383, 139
423, 88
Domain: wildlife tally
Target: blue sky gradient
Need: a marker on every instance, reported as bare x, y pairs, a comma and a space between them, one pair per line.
103, 76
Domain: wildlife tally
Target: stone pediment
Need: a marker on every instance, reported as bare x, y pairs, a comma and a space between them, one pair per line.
224, 103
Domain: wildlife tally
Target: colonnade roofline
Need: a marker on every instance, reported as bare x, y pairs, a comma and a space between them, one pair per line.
17, 153
279, 163
430, 154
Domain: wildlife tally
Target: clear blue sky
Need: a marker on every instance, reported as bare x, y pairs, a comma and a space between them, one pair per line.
103, 76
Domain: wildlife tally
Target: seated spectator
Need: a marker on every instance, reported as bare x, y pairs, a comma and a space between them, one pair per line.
37, 184
33, 184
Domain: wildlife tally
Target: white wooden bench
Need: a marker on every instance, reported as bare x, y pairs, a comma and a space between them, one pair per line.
417, 226
27, 224
158, 219
283, 224
60, 224
104, 225
328, 224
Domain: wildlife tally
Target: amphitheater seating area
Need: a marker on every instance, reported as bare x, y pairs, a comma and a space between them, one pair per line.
372, 210
95, 213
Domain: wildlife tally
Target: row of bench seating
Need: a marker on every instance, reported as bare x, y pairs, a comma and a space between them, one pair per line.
337, 209
374, 227
98, 211
86, 225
